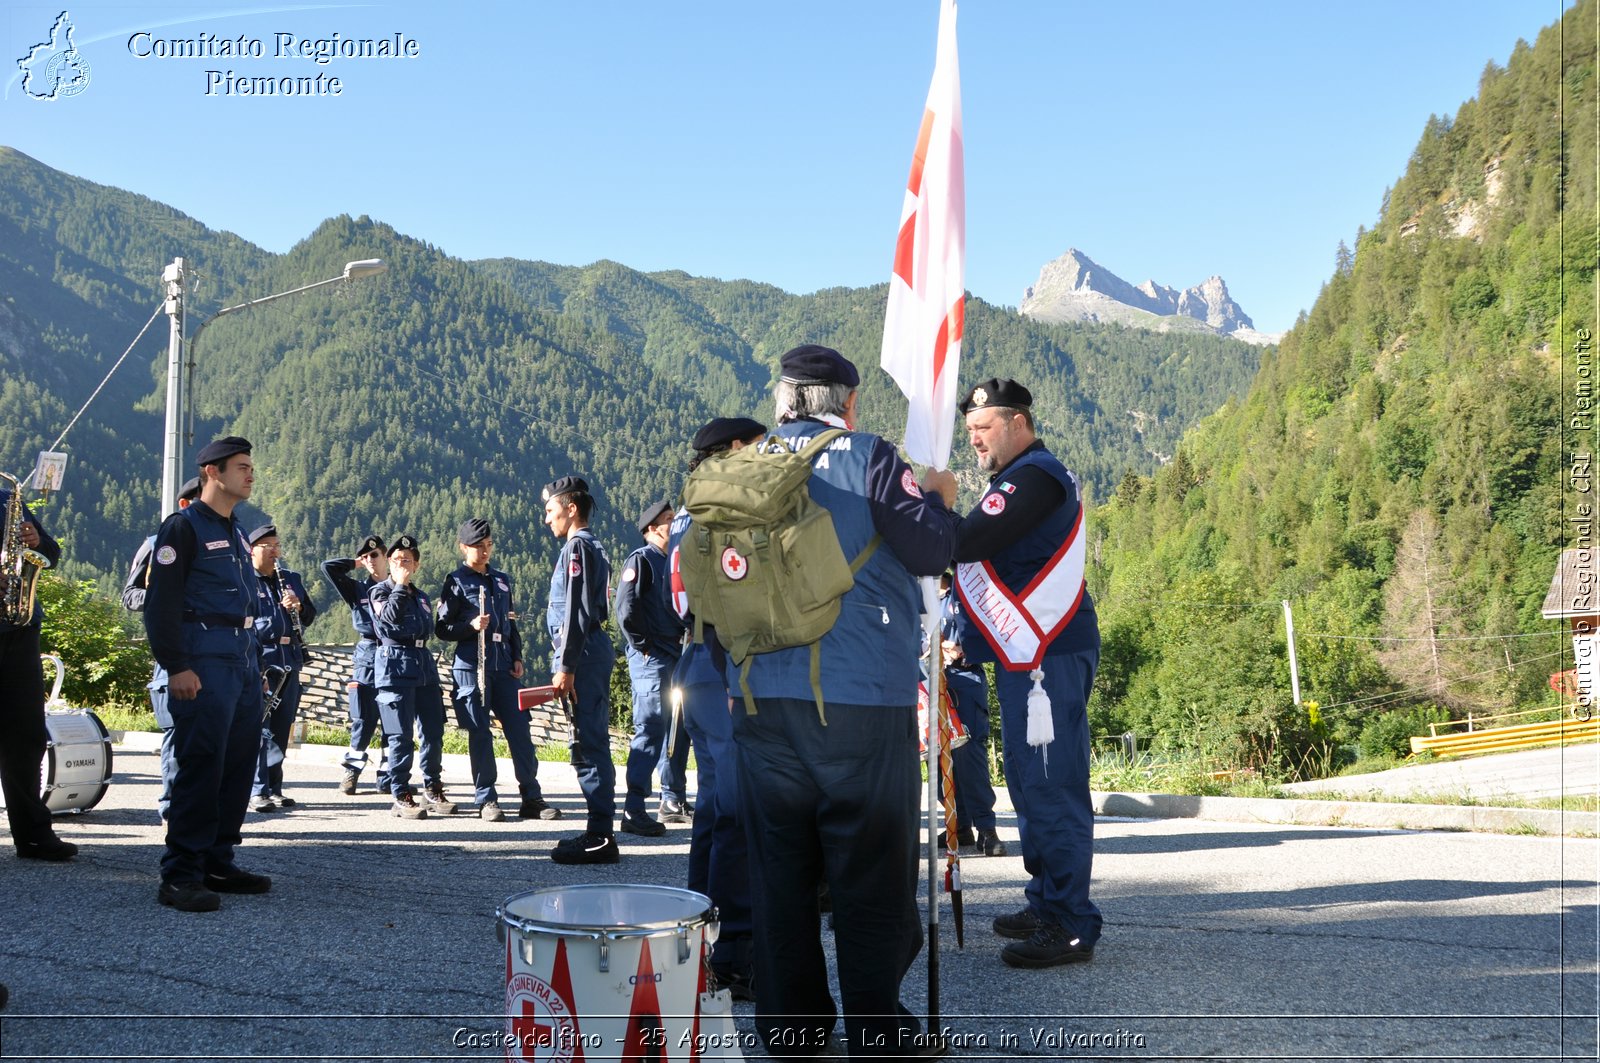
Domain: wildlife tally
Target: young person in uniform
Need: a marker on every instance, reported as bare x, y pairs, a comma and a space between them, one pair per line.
284, 610
199, 615
402, 667
373, 558
582, 660
462, 622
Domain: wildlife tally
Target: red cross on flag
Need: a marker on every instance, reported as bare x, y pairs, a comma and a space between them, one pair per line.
922, 325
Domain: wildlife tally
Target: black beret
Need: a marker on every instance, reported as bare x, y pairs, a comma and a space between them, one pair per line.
473, 531
565, 485
371, 543
652, 514
190, 489
815, 364
996, 392
721, 431
405, 542
220, 450
262, 532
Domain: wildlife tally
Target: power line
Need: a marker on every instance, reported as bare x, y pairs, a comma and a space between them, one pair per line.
1438, 638
1401, 695
159, 307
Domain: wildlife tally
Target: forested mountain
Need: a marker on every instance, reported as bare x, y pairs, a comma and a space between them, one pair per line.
1396, 469
443, 389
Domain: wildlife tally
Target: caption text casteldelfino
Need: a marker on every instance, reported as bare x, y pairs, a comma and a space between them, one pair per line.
319, 50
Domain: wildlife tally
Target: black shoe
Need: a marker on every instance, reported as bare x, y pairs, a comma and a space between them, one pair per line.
740, 983
285, 802
237, 881
1050, 946
643, 826
538, 808
263, 803
52, 849
348, 784
188, 897
586, 848
964, 838
1019, 925
989, 843
671, 810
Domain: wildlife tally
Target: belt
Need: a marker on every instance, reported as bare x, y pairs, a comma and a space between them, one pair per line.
215, 619
367, 638
407, 644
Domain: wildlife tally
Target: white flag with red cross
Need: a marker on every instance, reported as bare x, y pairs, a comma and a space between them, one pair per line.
922, 325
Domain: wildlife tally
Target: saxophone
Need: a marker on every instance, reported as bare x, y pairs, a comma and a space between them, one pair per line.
19, 566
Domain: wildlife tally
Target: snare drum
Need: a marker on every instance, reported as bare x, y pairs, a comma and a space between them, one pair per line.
77, 761
608, 972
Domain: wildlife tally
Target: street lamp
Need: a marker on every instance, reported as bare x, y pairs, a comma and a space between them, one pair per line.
173, 278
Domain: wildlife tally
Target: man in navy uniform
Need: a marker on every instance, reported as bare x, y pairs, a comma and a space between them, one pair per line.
133, 592
653, 632
198, 614
460, 620
402, 669
969, 762
284, 610
830, 790
719, 856
373, 557
1028, 527
23, 734
582, 661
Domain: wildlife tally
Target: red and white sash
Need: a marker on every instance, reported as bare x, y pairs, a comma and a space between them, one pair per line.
1020, 627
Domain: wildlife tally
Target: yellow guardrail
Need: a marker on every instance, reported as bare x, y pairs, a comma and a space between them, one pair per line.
1518, 736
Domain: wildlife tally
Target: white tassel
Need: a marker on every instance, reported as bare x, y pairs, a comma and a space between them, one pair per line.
1041, 728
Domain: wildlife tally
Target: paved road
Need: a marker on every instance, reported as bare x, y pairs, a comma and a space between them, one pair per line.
1531, 773
1223, 941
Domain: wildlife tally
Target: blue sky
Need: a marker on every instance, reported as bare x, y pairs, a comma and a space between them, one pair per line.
771, 141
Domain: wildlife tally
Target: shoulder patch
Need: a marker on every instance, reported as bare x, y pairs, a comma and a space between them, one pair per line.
908, 484
993, 504
1008, 487
166, 555
576, 568
628, 574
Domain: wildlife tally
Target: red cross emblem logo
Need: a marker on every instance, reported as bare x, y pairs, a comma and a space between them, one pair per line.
994, 503
734, 565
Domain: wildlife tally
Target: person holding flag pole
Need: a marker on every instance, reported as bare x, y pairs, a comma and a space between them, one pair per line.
922, 352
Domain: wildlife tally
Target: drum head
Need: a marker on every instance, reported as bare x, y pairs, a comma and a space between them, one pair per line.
566, 909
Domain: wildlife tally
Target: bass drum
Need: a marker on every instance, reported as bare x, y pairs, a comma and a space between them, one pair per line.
77, 761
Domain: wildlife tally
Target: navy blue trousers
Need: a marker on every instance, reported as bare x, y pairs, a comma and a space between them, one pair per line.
835, 803
970, 763
719, 856
405, 709
269, 777
591, 753
216, 738
365, 721
647, 754
472, 718
1049, 788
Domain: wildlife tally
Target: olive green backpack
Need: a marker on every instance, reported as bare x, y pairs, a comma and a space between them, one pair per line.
761, 562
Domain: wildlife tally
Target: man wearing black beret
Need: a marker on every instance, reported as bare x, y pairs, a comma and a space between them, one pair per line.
653, 632
198, 614
476, 609
1028, 529
284, 610
582, 662
407, 678
827, 761
373, 557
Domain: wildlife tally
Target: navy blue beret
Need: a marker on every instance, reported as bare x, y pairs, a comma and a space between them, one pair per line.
652, 514
473, 531
262, 532
371, 543
996, 392
220, 450
565, 485
405, 542
721, 431
190, 489
815, 364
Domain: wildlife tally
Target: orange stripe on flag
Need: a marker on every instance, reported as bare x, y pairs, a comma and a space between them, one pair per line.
920, 156
949, 334
904, 248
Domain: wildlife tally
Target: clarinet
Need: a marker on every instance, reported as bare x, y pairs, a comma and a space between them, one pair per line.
295, 626
483, 651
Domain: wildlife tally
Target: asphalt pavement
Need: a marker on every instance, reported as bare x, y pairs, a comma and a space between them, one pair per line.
1223, 941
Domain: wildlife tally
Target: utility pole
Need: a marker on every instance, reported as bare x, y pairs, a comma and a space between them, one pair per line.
1294, 665
172, 460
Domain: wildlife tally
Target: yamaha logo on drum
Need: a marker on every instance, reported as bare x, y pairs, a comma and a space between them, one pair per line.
82, 763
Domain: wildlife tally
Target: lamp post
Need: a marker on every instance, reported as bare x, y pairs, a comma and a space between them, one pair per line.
177, 391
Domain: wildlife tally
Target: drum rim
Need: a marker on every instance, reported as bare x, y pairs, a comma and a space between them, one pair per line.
613, 931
